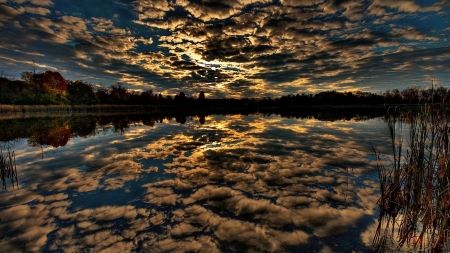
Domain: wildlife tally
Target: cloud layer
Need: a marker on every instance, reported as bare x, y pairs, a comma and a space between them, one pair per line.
233, 48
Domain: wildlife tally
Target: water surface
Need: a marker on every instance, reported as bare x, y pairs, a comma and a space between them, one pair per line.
234, 183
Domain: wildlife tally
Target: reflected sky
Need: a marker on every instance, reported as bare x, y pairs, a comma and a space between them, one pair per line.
238, 48
233, 184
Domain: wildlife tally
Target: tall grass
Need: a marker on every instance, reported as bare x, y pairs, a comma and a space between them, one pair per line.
414, 201
8, 168
8, 109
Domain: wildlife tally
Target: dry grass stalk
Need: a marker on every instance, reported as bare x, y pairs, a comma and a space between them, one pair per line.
414, 199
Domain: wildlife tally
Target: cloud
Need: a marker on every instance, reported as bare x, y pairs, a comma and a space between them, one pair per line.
353, 8
330, 221
57, 31
8, 13
401, 5
166, 45
404, 66
30, 225
35, 2
161, 196
152, 9
291, 201
37, 10
293, 3
106, 25
411, 33
216, 9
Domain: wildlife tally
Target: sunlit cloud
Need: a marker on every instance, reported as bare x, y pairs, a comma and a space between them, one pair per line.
35, 2
258, 42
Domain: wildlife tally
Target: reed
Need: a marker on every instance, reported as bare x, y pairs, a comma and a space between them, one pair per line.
48, 109
8, 168
414, 201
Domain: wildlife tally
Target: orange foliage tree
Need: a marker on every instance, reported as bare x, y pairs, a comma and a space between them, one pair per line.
52, 81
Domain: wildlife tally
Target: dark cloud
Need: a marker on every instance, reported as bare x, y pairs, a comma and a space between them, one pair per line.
353, 43
185, 65
277, 44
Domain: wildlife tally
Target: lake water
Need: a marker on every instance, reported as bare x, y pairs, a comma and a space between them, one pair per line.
218, 183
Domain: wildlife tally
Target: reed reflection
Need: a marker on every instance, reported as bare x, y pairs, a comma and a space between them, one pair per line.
232, 183
8, 169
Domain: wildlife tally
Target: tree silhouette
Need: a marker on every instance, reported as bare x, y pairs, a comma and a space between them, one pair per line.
50, 88
147, 97
201, 119
180, 98
119, 94
79, 92
201, 96
103, 95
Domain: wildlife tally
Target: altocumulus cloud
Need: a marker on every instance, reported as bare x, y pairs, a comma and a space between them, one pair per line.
231, 48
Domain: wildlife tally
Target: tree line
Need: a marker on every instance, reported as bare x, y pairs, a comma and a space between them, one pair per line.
50, 88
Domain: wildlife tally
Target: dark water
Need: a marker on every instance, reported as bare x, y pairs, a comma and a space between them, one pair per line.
234, 183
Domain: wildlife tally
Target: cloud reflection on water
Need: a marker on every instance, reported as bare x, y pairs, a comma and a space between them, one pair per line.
232, 184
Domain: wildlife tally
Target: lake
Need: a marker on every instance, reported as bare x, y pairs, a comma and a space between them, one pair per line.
198, 183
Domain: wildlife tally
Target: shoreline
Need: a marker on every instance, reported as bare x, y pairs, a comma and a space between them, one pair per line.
35, 111
75, 108
52, 111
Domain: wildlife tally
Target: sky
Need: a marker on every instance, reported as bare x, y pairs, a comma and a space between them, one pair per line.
231, 48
